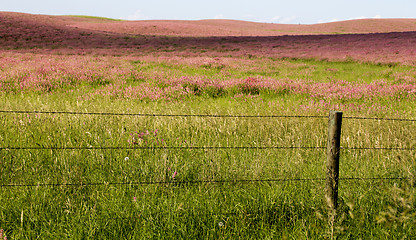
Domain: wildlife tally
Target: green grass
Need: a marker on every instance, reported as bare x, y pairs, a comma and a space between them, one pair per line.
309, 69
93, 17
379, 209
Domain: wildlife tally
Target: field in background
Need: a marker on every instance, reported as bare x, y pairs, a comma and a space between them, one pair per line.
108, 176
371, 40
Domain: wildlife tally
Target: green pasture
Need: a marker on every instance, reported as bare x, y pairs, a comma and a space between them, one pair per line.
307, 69
93, 17
149, 177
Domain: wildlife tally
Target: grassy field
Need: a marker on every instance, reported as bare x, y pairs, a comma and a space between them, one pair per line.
187, 172
155, 191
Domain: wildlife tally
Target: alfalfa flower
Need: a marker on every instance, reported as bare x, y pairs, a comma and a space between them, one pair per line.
2, 235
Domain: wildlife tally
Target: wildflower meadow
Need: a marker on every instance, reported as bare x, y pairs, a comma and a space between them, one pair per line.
183, 129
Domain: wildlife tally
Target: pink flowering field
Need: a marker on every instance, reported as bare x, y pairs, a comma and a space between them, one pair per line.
173, 78
124, 176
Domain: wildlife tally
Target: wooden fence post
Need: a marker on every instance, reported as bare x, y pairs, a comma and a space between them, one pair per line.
334, 137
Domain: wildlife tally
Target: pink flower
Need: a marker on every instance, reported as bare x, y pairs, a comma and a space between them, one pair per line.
174, 174
2, 235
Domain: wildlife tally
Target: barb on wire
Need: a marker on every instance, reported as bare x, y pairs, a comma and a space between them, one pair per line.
159, 115
164, 182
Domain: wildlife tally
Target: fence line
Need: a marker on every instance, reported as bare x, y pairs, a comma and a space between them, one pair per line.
203, 148
379, 148
196, 115
373, 178
162, 115
333, 151
166, 182
383, 119
158, 148
247, 181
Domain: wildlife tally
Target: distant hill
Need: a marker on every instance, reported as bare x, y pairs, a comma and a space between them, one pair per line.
208, 28
203, 28
374, 40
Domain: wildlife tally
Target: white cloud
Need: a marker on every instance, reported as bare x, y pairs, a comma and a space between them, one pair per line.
327, 21
251, 17
356, 18
288, 19
138, 15
275, 19
219, 16
362, 17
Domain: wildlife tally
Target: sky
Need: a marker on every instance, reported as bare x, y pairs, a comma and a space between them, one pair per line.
270, 11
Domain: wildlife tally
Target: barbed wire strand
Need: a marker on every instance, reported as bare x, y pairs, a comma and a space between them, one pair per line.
379, 148
140, 217
163, 182
200, 182
203, 148
158, 148
197, 115
382, 119
373, 178
162, 115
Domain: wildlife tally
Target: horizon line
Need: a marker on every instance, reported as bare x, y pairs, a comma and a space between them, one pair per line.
205, 19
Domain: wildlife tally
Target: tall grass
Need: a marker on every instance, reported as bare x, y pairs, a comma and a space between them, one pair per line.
202, 210
165, 193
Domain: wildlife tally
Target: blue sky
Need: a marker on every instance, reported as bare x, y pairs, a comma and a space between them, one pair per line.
276, 11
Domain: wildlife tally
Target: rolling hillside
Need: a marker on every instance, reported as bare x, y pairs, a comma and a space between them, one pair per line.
377, 40
204, 28
209, 28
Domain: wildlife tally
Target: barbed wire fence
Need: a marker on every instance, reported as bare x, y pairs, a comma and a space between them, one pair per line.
174, 182
197, 115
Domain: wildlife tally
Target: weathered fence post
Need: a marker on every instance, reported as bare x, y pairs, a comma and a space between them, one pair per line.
334, 137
